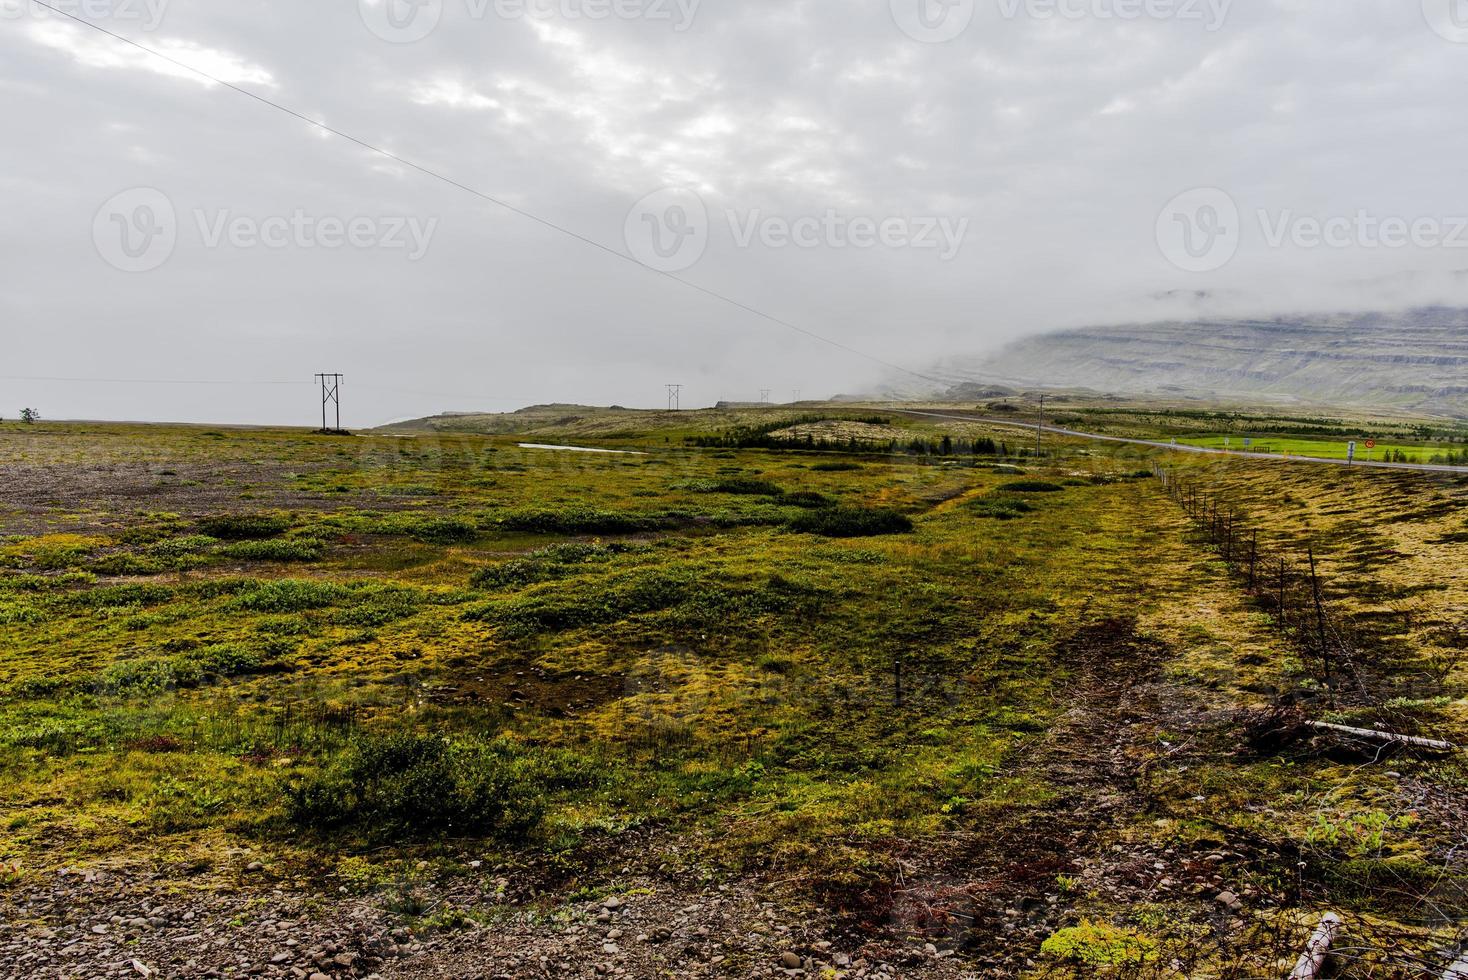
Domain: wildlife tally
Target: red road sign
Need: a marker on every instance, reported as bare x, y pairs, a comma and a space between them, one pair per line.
1370, 443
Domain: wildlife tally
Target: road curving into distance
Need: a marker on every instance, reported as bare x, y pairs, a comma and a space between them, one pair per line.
1177, 447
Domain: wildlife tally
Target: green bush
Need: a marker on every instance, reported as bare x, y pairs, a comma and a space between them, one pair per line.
290, 595
295, 549
806, 498
1099, 944
442, 530
851, 522
378, 605
549, 564
580, 520
836, 467
642, 592
1032, 486
415, 787
744, 487
1001, 507
154, 675
243, 527
150, 676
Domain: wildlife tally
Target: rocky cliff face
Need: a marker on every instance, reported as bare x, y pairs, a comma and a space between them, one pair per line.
1416, 360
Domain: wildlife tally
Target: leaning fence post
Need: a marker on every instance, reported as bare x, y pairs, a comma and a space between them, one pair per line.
1253, 557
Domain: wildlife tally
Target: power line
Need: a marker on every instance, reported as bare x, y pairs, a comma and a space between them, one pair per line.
389, 155
145, 381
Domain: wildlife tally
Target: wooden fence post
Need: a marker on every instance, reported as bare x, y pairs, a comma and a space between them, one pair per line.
1319, 616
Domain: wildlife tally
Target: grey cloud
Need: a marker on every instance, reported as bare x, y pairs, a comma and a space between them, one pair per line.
1059, 140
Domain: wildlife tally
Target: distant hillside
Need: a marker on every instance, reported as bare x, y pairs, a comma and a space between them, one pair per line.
1416, 360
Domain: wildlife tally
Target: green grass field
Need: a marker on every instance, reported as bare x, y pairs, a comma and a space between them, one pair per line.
817, 668
1403, 452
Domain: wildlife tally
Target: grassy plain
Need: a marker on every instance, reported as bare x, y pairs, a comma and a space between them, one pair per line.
1011, 679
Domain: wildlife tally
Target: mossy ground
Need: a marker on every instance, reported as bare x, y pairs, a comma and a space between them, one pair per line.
196, 621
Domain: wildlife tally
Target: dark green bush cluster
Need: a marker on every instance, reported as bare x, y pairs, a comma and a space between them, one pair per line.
581, 520
290, 595
683, 595
154, 675
416, 787
440, 530
836, 467
243, 527
292, 549
1001, 507
1031, 486
805, 498
741, 487
376, 605
630, 595
851, 522
549, 564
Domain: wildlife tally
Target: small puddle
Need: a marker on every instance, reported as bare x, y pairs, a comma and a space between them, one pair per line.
582, 449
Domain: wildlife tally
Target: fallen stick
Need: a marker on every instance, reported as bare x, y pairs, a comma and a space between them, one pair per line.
1370, 734
1312, 961
1459, 970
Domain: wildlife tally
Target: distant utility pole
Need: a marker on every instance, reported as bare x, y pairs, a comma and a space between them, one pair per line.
331, 387
795, 396
675, 397
1040, 429
764, 395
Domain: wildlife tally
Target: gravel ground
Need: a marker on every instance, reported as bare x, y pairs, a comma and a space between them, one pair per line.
119, 923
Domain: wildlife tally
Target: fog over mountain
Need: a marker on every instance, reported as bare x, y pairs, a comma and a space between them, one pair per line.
1411, 360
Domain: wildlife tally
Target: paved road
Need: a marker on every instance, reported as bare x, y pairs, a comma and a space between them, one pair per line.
1268, 457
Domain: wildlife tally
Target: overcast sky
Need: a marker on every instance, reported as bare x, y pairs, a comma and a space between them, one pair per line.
910, 179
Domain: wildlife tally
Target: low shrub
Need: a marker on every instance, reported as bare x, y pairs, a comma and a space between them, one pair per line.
806, 498
441, 530
642, 592
243, 527
290, 595
836, 467
1032, 486
850, 522
1099, 945
521, 571
548, 564
378, 605
415, 787
743, 487
581, 520
155, 675
1001, 507
294, 549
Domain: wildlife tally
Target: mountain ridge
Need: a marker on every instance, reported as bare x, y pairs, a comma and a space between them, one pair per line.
1415, 360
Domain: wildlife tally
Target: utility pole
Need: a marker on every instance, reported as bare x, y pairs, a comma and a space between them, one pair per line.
1040, 429
795, 396
675, 397
331, 385
764, 395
